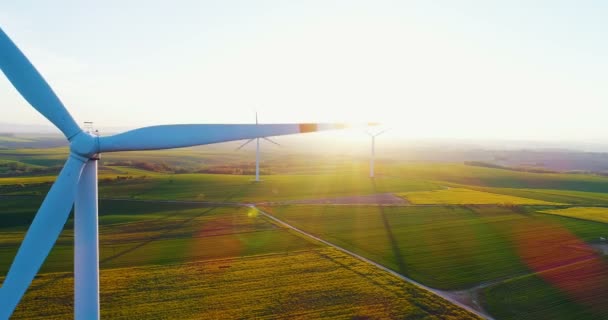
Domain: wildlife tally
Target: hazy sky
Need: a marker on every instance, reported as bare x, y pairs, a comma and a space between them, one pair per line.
465, 69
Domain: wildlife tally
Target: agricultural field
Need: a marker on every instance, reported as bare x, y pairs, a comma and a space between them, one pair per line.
462, 247
598, 214
497, 178
216, 262
568, 278
464, 196
485, 231
227, 188
550, 195
140, 233
322, 284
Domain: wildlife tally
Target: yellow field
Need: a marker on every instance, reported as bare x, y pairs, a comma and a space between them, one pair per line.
323, 283
465, 196
586, 213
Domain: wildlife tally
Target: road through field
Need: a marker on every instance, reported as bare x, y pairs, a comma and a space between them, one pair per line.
440, 293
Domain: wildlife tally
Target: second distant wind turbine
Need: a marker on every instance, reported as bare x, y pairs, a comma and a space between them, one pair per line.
373, 156
257, 150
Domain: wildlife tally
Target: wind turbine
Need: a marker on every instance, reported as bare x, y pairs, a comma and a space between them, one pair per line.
77, 181
373, 156
257, 150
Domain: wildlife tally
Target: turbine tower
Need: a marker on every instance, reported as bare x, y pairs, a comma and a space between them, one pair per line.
257, 151
373, 156
77, 181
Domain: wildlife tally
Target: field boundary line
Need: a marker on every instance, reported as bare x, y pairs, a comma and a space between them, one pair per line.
377, 265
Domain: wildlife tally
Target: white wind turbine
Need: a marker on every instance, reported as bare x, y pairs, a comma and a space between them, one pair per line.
77, 181
257, 150
373, 155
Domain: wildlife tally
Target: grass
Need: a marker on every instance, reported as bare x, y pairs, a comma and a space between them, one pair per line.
446, 247
598, 214
467, 196
443, 247
530, 297
274, 188
453, 244
142, 233
569, 279
498, 178
317, 284
180, 260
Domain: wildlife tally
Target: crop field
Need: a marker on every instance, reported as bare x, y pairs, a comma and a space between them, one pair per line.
467, 196
569, 279
550, 195
185, 260
140, 233
503, 233
212, 187
314, 284
446, 247
457, 247
499, 178
599, 214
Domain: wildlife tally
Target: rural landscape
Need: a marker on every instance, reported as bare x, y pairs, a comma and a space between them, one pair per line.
313, 159
178, 239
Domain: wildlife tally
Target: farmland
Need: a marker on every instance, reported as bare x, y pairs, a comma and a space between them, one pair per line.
221, 262
569, 279
320, 283
140, 233
209, 187
467, 196
455, 248
599, 214
504, 238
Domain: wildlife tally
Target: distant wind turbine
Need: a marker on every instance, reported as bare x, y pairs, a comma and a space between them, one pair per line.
373, 155
77, 181
257, 150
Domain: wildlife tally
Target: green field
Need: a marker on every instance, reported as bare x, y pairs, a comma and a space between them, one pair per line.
140, 233
568, 279
215, 262
446, 247
228, 188
467, 196
498, 178
465, 226
456, 247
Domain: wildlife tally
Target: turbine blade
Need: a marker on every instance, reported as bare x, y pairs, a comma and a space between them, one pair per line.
244, 144
271, 141
41, 236
32, 86
379, 133
186, 135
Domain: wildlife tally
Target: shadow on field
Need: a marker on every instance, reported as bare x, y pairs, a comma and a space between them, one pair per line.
237, 192
391, 237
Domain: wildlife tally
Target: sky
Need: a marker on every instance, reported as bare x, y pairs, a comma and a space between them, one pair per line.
425, 69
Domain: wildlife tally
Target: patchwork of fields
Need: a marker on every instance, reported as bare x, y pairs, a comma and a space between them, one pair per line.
456, 247
140, 233
467, 196
507, 238
217, 262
